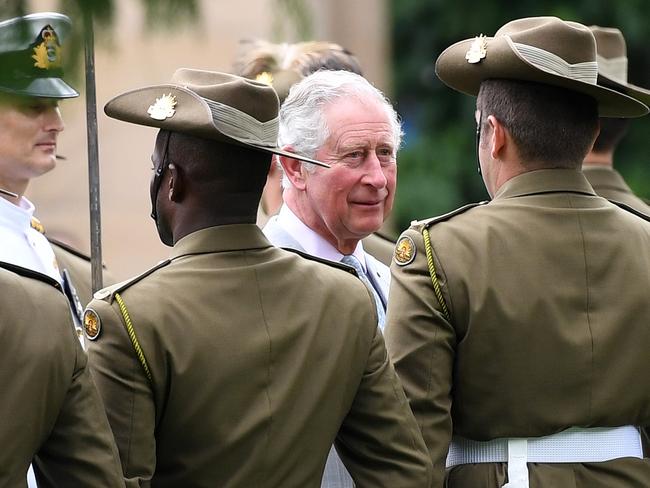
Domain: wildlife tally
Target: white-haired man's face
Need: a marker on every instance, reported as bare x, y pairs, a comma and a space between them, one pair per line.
352, 199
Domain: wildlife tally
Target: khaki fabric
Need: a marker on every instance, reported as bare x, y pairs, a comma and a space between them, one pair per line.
80, 271
379, 247
260, 359
50, 409
546, 289
608, 183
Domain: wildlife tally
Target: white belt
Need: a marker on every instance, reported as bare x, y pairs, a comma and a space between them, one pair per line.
574, 445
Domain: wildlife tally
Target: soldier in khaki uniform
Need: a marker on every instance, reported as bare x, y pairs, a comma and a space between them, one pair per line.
234, 363
598, 165
50, 409
519, 328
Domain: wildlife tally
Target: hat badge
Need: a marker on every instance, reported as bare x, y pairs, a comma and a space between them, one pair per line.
477, 50
47, 54
163, 108
265, 77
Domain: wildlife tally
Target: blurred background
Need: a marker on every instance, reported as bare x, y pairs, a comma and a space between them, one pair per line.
142, 42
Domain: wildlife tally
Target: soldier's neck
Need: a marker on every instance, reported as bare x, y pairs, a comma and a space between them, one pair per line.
599, 159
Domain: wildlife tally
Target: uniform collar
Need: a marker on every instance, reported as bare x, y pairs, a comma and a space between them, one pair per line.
605, 177
17, 217
545, 181
221, 238
311, 241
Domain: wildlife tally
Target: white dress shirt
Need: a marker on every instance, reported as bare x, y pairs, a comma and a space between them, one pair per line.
312, 242
22, 245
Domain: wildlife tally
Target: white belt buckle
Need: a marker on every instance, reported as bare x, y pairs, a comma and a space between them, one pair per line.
517, 464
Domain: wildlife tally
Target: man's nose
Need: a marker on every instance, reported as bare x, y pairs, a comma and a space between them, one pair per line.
374, 172
53, 120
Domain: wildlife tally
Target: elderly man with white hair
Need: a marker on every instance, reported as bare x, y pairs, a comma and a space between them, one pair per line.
339, 118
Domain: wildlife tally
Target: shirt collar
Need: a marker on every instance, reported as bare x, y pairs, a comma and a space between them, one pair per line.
312, 242
605, 177
545, 181
221, 238
18, 216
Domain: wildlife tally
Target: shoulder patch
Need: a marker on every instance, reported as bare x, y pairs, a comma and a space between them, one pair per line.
107, 294
333, 264
405, 251
92, 324
68, 248
631, 210
30, 273
442, 218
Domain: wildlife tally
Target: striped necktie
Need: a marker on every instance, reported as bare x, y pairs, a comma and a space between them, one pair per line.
351, 260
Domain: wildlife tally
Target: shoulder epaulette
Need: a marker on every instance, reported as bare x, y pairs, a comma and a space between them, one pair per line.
333, 264
30, 273
68, 247
109, 292
441, 218
633, 210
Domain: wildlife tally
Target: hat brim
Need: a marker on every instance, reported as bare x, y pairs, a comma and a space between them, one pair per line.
502, 61
40, 87
634, 91
192, 116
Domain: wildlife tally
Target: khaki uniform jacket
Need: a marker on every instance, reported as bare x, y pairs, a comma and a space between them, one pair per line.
259, 359
50, 409
78, 266
380, 247
608, 183
546, 288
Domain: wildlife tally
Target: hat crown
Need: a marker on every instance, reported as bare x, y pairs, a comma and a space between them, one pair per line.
571, 41
30, 55
610, 42
256, 99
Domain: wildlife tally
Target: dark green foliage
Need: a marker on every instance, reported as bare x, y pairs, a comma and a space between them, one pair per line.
437, 164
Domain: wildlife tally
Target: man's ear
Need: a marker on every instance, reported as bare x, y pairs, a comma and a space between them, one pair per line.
498, 138
293, 169
175, 183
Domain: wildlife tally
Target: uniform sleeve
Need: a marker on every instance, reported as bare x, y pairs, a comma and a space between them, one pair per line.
127, 395
379, 441
80, 450
422, 343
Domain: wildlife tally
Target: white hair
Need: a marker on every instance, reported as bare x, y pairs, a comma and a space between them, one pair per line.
302, 121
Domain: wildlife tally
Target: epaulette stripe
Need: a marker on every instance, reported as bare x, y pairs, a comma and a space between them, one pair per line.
311, 257
114, 289
134, 338
434, 276
630, 209
448, 215
69, 248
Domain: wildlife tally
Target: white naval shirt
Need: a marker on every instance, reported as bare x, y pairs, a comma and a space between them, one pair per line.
22, 245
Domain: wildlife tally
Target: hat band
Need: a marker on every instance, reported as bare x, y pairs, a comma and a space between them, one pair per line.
242, 127
613, 68
586, 72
